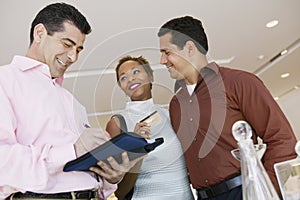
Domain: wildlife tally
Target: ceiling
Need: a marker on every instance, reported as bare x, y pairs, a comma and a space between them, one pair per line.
236, 32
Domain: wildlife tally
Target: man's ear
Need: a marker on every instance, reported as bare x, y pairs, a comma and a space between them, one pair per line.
190, 47
39, 32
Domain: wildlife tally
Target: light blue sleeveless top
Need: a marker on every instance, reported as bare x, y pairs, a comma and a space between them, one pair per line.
163, 174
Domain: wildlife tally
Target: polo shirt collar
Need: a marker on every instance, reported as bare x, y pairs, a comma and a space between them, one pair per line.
25, 63
211, 67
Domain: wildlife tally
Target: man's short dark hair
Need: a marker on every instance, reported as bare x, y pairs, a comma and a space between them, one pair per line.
55, 15
184, 29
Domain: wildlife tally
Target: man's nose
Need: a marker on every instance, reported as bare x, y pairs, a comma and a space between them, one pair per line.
163, 59
72, 55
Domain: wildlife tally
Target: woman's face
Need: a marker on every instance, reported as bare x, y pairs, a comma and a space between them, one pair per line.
134, 81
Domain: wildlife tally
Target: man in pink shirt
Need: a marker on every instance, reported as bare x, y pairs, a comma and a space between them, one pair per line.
42, 126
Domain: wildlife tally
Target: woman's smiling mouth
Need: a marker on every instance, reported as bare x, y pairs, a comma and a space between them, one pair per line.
134, 86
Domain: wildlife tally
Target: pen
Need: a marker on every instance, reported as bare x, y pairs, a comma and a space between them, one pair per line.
148, 116
86, 126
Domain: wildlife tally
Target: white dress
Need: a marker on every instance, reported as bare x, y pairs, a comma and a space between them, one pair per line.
163, 174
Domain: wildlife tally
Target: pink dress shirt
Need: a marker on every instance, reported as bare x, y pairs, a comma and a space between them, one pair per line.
39, 123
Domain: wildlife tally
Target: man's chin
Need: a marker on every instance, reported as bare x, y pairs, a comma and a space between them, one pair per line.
57, 74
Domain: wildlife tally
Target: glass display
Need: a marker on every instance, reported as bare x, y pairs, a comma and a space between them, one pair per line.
288, 176
256, 182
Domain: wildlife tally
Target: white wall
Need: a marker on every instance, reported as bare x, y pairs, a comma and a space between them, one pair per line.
290, 105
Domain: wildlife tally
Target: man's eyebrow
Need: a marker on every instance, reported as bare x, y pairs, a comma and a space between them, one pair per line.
71, 41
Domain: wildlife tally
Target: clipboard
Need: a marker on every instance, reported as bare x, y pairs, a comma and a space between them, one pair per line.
130, 142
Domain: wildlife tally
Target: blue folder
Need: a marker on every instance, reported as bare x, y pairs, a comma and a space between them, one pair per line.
130, 142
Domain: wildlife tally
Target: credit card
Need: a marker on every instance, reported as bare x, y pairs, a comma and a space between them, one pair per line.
152, 119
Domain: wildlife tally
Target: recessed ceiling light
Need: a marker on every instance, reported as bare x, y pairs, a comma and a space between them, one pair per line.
285, 75
296, 87
260, 57
283, 52
276, 98
272, 23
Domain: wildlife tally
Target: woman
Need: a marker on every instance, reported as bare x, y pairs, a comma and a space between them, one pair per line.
162, 174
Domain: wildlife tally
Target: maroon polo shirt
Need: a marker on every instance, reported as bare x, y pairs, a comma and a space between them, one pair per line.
203, 123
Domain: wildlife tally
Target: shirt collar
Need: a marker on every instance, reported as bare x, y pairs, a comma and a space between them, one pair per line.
26, 63
211, 67
208, 69
138, 107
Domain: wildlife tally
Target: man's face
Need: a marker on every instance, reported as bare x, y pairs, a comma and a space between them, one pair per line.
61, 49
173, 58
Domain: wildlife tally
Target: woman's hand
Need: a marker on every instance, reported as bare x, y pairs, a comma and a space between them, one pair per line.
143, 129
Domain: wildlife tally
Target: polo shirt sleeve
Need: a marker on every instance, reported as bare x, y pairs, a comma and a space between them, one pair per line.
267, 120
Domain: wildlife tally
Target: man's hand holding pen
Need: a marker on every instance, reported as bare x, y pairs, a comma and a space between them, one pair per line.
113, 172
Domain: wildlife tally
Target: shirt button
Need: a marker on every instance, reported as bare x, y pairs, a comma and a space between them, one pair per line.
206, 181
190, 100
191, 119
199, 159
195, 139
